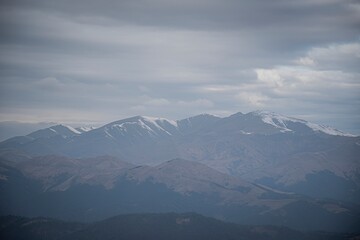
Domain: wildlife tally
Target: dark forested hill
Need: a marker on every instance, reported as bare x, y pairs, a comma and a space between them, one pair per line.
165, 226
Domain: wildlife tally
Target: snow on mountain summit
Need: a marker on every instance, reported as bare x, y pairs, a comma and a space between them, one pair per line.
159, 121
84, 129
282, 123
62, 130
148, 129
142, 125
71, 129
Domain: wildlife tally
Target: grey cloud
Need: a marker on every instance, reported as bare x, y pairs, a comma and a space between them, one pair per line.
345, 56
100, 61
190, 14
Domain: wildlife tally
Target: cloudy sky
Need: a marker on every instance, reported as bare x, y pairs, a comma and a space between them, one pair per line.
92, 61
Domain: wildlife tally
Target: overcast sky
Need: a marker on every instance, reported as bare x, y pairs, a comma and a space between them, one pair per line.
93, 61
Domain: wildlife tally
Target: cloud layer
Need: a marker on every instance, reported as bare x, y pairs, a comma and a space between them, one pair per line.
95, 61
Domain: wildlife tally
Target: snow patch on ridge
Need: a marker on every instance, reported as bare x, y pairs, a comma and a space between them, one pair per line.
72, 129
156, 120
59, 129
85, 129
151, 124
280, 121
328, 130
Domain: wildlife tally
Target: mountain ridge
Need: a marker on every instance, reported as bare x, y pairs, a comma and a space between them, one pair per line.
267, 116
281, 152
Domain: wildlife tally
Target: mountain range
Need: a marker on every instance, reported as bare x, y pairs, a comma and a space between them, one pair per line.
278, 151
254, 168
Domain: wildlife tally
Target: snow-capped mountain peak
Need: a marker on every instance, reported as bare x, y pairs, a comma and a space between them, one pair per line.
69, 128
328, 130
277, 120
62, 130
84, 129
142, 125
159, 121
282, 123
